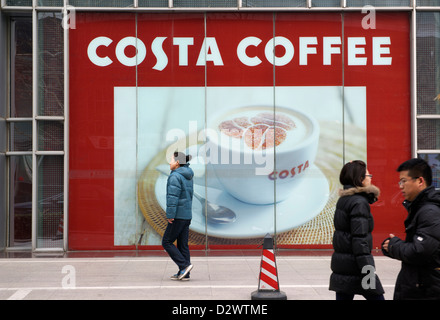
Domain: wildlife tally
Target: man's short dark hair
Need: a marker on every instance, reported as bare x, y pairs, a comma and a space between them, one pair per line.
417, 168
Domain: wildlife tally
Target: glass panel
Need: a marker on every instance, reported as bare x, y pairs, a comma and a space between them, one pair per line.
428, 62
424, 3
379, 3
310, 157
274, 3
21, 136
93, 130
428, 134
3, 196
50, 64
50, 135
50, 222
19, 3
20, 203
326, 3
434, 163
101, 3
240, 157
3, 135
168, 119
205, 3
21, 68
387, 111
51, 3
153, 3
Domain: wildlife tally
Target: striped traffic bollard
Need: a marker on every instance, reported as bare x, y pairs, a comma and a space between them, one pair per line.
268, 285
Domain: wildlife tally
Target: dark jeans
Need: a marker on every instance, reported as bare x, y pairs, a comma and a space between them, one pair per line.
348, 296
178, 230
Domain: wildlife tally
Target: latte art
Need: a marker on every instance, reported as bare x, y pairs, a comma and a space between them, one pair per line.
263, 130
242, 145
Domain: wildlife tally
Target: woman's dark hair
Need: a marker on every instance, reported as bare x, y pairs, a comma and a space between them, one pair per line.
353, 173
182, 158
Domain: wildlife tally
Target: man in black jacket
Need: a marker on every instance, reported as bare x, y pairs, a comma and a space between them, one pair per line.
419, 277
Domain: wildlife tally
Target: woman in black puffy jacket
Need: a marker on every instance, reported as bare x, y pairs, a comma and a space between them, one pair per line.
352, 263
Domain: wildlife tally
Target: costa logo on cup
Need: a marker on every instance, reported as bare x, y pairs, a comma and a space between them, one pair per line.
289, 173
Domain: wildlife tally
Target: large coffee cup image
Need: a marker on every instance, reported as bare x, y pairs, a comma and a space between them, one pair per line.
260, 154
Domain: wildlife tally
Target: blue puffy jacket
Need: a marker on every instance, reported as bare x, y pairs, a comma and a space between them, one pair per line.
180, 188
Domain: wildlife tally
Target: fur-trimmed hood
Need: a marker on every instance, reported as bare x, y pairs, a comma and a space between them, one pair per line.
371, 191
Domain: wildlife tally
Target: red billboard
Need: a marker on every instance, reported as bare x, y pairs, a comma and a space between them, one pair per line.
144, 85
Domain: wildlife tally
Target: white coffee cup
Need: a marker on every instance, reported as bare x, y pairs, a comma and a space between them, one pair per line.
248, 168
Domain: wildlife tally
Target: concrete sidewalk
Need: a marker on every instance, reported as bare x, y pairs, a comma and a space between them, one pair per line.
213, 278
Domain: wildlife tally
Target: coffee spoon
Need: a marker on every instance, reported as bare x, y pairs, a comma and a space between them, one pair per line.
215, 214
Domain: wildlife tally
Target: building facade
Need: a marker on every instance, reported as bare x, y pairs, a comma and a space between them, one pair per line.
270, 98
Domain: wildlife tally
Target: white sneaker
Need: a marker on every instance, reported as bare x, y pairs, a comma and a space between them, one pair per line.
176, 277
184, 272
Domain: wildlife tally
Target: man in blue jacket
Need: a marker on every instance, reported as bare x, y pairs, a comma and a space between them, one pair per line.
419, 277
180, 188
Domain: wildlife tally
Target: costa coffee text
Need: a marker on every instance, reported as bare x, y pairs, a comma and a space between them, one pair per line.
328, 47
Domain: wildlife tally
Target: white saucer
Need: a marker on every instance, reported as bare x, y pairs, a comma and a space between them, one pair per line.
306, 201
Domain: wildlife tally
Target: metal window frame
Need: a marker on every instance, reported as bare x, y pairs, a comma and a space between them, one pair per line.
238, 7
415, 116
35, 120
8, 120
413, 84
35, 117
34, 123
66, 133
